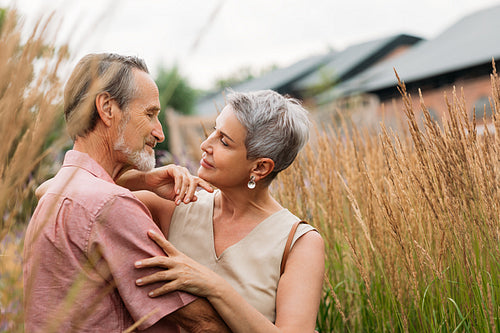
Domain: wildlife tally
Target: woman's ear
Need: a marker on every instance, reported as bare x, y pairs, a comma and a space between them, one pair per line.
263, 167
104, 105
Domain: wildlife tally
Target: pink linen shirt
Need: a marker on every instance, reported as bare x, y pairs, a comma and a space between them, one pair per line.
79, 253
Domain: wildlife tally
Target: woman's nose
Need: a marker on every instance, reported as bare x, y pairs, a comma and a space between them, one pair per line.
206, 145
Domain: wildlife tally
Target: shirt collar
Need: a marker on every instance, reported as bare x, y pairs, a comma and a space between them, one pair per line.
81, 160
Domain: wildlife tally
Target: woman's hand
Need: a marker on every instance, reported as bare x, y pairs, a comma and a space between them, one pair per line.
171, 182
175, 183
181, 272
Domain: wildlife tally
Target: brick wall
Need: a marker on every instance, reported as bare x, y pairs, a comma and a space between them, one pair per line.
473, 90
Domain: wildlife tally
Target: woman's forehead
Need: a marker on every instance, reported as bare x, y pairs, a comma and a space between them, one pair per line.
227, 115
229, 123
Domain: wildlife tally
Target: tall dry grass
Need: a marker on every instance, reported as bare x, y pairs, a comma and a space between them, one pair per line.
30, 110
410, 219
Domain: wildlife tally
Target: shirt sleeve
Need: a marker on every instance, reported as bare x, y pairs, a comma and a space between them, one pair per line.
120, 235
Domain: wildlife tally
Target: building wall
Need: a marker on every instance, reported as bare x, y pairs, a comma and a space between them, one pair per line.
395, 53
476, 91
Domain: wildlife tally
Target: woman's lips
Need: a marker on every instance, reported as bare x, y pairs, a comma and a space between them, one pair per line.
205, 164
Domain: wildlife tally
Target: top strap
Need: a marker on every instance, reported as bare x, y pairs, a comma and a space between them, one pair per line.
288, 245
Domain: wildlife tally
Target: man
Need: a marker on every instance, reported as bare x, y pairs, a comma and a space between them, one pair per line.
87, 232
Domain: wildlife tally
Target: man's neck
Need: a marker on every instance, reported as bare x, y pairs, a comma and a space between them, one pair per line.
101, 150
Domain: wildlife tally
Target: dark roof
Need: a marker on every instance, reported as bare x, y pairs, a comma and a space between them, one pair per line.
472, 41
278, 80
354, 60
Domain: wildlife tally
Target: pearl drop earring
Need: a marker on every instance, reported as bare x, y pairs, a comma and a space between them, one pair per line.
251, 182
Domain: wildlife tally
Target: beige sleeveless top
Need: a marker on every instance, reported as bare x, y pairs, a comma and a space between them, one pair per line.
251, 266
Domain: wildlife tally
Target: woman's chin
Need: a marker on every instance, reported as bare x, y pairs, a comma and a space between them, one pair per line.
203, 174
200, 172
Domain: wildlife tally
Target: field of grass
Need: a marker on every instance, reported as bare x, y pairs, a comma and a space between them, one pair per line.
410, 217
30, 113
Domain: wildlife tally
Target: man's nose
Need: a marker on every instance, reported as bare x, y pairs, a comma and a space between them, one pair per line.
158, 131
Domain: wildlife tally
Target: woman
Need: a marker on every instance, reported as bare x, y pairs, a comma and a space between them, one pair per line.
229, 244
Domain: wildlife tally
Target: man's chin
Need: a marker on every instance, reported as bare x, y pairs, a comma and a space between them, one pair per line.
146, 165
143, 161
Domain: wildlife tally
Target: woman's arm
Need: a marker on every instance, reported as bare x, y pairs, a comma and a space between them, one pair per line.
300, 286
161, 209
298, 295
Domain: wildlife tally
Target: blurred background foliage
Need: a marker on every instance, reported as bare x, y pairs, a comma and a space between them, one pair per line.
175, 93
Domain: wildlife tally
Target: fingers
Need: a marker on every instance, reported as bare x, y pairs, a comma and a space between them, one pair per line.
162, 276
176, 183
165, 289
169, 286
191, 190
205, 185
194, 183
159, 261
167, 247
181, 181
186, 186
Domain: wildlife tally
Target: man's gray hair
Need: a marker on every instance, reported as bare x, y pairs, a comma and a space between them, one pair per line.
95, 74
277, 126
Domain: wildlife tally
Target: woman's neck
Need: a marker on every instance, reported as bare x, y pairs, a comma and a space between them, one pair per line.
237, 213
247, 205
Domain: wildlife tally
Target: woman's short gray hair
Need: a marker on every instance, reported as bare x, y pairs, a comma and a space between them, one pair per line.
277, 126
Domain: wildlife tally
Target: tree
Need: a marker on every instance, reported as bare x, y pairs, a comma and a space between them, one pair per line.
3, 12
176, 93
243, 74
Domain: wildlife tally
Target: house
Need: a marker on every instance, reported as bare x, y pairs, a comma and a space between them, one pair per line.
461, 57
185, 131
304, 79
309, 76
353, 60
278, 80
360, 80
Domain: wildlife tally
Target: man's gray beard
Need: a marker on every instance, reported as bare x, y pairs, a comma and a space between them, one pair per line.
142, 160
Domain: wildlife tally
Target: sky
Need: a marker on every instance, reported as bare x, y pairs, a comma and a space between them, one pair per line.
210, 39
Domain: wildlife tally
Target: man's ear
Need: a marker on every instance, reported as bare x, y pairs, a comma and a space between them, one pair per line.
263, 167
104, 105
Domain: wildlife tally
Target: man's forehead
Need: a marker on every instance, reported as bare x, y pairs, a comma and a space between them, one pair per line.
146, 90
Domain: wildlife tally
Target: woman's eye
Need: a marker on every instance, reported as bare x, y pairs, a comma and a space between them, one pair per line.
223, 142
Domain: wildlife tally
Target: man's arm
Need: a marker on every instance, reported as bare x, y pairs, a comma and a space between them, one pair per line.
198, 316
